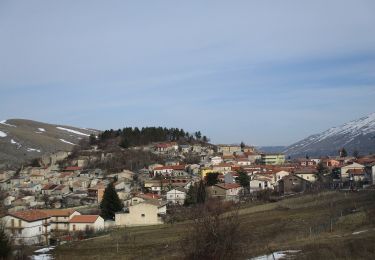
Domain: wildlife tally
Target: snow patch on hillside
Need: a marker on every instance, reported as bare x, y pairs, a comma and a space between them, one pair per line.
41, 129
33, 150
2, 134
277, 255
3, 122
16, 143
67, 142
71, 131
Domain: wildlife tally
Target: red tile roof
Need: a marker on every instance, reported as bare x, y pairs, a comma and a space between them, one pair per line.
29, 215
84, 219
228, 186
58, 212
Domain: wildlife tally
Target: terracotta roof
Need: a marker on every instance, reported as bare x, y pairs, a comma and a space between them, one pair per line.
228, 186
58, 212
29, 215
84, 219
49, 186
149, 196
356, 171
223, 165
157, 203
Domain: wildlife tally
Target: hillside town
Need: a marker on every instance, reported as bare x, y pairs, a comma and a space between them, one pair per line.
48, 203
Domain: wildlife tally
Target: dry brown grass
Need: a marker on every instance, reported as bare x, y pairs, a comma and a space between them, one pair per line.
302, 223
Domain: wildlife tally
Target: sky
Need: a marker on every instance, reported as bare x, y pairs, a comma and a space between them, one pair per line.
263, 72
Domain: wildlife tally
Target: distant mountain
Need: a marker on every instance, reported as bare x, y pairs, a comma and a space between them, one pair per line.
271, 149
21, 139
356, 135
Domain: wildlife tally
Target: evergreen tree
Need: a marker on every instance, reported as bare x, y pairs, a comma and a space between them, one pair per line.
243, 179
201, 193
92, 139
5, 244
212, 178
242, 146
191, 196
356, 153
343, 152
111, 203
124, 143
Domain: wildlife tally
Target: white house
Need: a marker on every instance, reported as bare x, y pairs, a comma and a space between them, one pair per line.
59, 218
86, 222
146, 213
28, 227
216, 160
176, 196
279, 175
8, 200
311, 177
346, 168
261, 182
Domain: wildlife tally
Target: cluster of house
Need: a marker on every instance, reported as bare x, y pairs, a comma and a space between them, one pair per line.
43, 202
37, 226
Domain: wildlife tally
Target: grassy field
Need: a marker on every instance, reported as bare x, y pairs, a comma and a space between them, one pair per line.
321, 226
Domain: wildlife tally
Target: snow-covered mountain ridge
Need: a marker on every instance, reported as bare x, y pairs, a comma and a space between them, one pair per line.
357, 135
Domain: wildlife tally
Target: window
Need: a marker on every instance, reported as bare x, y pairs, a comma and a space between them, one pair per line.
20, 231
260, 185
143, 215
40, 229
19, 222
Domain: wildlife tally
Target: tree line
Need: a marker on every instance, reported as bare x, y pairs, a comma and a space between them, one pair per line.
134, 136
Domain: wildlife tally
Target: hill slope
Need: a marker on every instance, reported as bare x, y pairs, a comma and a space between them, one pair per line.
21, 139
356, 135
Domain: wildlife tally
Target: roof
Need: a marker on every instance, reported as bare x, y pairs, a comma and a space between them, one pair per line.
154, 202
84, 219
228, 186
58, 212
223, 165
149, 196
172, 167
29, 215
356, 171
50, 187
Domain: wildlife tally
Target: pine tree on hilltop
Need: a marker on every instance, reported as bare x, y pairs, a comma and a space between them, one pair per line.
111, 203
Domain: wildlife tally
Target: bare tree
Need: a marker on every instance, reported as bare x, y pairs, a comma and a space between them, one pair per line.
213, 235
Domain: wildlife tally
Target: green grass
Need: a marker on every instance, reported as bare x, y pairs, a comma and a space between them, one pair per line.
301, 223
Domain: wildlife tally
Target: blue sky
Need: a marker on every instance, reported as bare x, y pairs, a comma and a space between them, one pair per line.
265, 72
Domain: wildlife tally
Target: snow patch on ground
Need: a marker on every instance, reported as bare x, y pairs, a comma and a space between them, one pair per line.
359, 232
2, 134
72, 131
41, 254
67, 142
277, 255
32, 150
3, 122
41, 129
